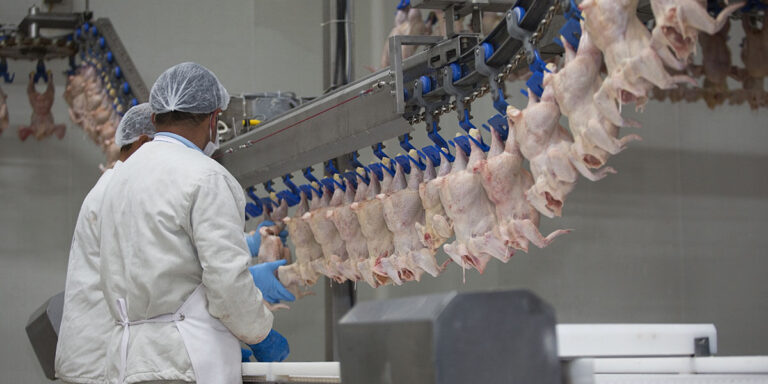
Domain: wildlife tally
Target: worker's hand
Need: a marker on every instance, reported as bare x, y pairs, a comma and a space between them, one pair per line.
254, 238
245, 355
273, 348
264, 277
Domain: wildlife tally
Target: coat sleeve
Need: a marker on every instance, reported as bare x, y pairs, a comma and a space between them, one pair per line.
217, 222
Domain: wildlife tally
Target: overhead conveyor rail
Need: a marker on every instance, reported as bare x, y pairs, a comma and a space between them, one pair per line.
375, 108
447, 75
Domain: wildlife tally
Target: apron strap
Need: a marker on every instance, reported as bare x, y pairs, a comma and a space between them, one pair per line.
122, 310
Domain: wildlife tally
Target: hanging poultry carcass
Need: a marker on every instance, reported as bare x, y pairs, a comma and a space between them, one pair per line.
326, 234
634, 64
716, 67
41, 123
472, 214
272, 247
349, 230
595, 138
74, 95
437, 228
678, 23
754, 55
403, 211
318, 200
506, 182
306, 250
378, 237
549, 150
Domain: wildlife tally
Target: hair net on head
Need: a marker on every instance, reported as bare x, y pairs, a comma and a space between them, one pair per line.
136, 122
188, 87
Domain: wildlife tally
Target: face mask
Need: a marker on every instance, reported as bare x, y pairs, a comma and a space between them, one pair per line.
212, 146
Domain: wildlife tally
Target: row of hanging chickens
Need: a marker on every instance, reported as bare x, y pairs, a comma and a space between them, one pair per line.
716, 68
90, 107
41, 123
482, 205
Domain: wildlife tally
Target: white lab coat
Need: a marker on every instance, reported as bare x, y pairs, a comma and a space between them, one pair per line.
86, 323
173, 218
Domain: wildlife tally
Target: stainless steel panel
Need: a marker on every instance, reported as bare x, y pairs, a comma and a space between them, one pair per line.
481, 337
359, 115
43, 332
130, 73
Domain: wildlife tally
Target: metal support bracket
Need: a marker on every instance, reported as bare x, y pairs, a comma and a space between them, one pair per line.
497, 87
396, 63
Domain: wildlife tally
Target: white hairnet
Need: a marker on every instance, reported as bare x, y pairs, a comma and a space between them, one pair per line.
136, 122
188, 87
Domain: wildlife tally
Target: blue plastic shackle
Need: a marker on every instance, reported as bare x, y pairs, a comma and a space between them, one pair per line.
571, 30
7, 77
40, 72
537, 67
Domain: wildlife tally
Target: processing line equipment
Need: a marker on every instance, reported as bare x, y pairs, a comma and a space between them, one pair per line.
509, 337
481, 337
85, 40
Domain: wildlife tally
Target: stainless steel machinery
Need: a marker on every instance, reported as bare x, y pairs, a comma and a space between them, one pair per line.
43, 332
484, 337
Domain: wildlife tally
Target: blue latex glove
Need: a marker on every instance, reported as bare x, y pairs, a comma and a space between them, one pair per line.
283, 235
246, 355
254, 240
273, 348
264, 277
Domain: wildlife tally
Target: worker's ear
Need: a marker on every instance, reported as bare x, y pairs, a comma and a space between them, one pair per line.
152, 116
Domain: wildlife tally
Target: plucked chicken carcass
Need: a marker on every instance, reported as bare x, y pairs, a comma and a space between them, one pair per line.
277, 214
472, 214
754, 55
349, 229
334, 250
634, 64
407, 23
716, 67
3, 112
378, 237
299, 276
678, 23
403, 210
754, 52
437, 228
320, 265
506, 182
292, 277
41, 123
74, 95
397, 215
272, 248
306, 249
595, 138
548, 148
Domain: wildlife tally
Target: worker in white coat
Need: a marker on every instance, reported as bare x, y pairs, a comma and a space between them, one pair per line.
86, 323
174, 264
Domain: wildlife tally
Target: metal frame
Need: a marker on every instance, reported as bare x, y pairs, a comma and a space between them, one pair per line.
123, 59
358, 115
396, 62
341, 122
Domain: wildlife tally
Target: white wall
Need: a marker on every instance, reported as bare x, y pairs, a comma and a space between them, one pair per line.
677, 236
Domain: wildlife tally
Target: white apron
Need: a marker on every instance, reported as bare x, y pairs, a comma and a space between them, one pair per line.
213, 351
